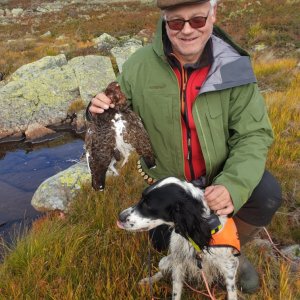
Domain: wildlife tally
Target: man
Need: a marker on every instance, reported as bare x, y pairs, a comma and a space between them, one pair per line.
197, 96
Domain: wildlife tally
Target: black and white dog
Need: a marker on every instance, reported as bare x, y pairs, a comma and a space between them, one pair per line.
181, 205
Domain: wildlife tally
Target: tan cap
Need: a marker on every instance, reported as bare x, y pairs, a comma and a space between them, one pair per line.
163, 4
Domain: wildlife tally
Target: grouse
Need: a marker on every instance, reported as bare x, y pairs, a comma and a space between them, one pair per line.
113, 134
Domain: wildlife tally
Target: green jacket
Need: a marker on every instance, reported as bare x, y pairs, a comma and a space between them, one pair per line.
229, 112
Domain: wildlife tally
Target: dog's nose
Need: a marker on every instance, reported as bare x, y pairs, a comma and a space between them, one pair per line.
125, 214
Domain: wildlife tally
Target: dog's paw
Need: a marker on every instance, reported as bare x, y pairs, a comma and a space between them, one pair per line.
150, 280
145, 281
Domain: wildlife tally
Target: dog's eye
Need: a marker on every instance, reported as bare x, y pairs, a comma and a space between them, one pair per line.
146, 205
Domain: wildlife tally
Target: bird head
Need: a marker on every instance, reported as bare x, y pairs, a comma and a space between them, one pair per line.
114, 93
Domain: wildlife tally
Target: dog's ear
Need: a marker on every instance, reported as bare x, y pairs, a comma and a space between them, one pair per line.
190, 223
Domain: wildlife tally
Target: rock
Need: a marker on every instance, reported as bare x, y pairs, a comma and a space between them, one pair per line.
6, 133
150, 2
16, 137
260, 47
8, 13
293, 252
86, 17
105, 38
2, 12
57, 192
46, 34
42, 91
105, 42
39, 93
262, 243
121, 54
36, 131
124, 38
93, 73
145, 35
100, 17
132, 42
51, 6
33, 70
17, 12
61, 37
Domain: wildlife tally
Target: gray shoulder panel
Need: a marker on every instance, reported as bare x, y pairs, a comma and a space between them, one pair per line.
229, 69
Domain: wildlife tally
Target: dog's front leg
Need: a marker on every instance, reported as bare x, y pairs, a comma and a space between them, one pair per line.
229, 269
177, 278
165, 266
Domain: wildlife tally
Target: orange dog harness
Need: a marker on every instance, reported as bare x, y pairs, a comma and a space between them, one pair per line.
227, 236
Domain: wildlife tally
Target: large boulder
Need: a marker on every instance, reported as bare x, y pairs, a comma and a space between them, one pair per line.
34, 69
56, 192
41, 92
93, 73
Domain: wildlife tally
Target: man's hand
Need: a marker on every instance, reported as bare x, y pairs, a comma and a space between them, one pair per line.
100, 103
218, 199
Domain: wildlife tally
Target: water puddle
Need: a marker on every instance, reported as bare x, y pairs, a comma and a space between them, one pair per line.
22, 170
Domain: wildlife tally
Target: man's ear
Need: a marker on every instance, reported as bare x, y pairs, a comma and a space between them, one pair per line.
214, 16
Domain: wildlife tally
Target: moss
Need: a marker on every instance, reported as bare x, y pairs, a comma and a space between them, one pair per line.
73, 177
76, 106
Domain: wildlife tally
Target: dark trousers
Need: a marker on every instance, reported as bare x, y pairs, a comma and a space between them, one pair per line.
257, 211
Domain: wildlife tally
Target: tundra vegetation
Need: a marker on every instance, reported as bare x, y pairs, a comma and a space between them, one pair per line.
84, 255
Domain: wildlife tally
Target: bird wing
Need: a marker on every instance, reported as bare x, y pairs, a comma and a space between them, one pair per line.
138, 137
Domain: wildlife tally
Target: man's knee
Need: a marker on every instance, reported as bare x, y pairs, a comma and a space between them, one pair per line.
268, 193
263, 203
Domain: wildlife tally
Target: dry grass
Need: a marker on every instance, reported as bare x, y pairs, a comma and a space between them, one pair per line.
275, 23
284, 157
275, 74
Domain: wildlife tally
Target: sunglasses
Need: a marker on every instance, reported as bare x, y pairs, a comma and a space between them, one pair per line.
196, 22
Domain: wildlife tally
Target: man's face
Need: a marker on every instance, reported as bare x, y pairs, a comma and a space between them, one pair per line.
189, 42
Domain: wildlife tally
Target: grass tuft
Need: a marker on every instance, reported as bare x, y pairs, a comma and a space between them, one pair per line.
276, 74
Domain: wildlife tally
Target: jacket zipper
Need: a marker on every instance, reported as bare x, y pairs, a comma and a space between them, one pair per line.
208, 171
184, 80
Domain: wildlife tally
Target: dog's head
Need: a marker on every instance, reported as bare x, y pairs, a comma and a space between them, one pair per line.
173, 202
